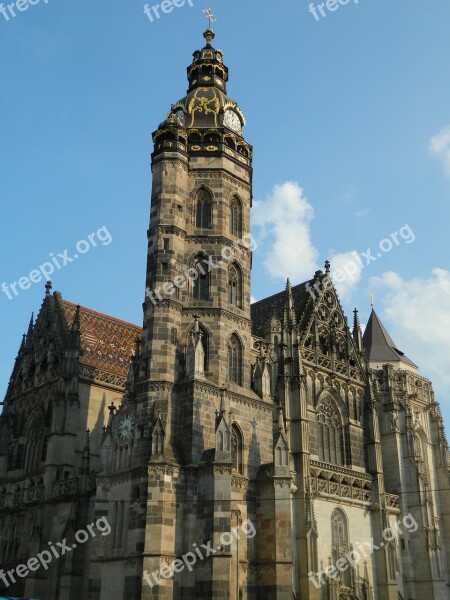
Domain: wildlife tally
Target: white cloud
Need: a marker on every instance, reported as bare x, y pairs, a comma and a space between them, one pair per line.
361, 213
419, 321
346, 269
283, 220
439, 146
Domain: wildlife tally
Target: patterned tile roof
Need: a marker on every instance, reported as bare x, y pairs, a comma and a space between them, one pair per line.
107, 343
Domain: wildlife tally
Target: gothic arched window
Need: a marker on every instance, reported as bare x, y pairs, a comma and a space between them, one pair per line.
201, 283
36, 446
203, 206
330, 433
236, 449
422, 451
340, 545
235, 285
235, 217
235, 360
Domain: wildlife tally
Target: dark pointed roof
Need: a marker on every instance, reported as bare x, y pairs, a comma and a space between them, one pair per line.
379, 345
263, 310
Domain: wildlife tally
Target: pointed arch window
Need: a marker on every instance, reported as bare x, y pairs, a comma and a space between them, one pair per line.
235, 360
235, 217
36, 447
203, 209
423, 464
330, 433
235, 285
201, 284
236, 449
340, 545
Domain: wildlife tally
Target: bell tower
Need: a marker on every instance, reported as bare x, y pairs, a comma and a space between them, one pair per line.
199, 250
198, 349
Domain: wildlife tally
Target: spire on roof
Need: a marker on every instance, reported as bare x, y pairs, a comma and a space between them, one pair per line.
30, 329
75, 329
289, 294
379, 345
289, 319
209, 34
357, 333
76, 320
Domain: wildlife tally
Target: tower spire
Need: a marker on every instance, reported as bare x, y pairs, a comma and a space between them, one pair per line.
209, 34
357, 333
30, 329
210, 16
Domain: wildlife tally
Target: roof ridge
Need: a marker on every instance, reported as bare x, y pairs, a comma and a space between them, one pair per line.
281, 292
99, 314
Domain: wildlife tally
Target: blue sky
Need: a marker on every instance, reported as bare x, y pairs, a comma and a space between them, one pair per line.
352, 110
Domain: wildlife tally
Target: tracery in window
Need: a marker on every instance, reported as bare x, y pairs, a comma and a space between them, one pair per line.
330, 433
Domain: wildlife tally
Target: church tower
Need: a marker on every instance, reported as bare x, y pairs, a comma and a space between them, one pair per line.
199, 256
199, 418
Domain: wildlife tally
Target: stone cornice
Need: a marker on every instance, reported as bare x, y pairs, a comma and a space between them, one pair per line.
217, 312
222, 174
94, 375
239, 398
339, 469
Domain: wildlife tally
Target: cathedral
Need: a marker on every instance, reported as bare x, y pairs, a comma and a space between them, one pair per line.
225, 450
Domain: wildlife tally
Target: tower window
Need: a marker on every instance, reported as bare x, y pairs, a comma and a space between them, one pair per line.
235, 285
235, 217
201, 284
235, 360
203, 210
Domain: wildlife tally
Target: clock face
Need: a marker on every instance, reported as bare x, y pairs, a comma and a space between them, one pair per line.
181, 119
125, 428
232, 120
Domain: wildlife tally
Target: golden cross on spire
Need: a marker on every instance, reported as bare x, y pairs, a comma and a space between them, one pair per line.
209, 15
372, 300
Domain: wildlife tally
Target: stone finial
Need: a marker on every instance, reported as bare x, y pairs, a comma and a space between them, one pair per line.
48, 287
